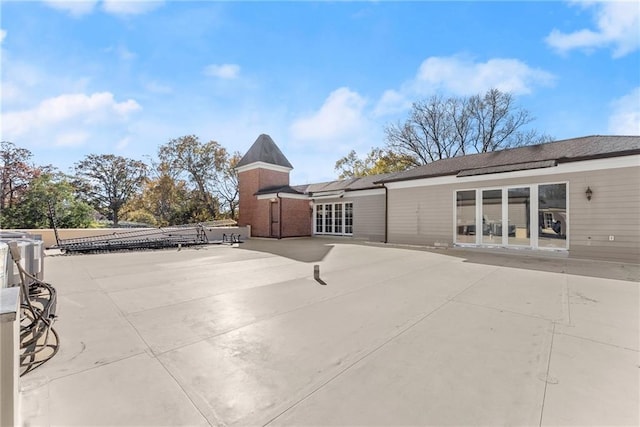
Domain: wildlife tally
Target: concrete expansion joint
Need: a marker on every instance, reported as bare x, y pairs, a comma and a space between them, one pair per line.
635, 350
504, 310
546, 375
368, 354
98, 364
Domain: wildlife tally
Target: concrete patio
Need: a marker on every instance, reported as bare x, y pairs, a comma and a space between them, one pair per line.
244, 335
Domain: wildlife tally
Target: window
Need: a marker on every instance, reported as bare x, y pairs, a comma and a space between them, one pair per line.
466, 216
519, 216
334, 218
492, 217
348, 218
319, 219
507, 216
552, 214
328, 224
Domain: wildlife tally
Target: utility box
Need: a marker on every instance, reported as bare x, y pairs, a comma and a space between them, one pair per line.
4, 265
31, 249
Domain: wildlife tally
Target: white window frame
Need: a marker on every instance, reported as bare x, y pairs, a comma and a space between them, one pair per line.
533, 214
333, 219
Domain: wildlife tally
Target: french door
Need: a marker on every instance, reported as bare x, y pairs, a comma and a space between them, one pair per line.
334, 218
533, 216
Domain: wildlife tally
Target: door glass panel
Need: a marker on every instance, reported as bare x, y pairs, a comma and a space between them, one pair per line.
519, 216
466, 216
348, 218
338, 219
552, 216
492, 217
328, 212
319, 219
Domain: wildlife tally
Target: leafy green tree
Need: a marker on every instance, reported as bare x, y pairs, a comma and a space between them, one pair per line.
197, 163
378, 161
141, 216
108, 182
209, 168
16, 172
164, 196
32, 211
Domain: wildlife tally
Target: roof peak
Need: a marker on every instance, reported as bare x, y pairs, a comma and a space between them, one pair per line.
266, 151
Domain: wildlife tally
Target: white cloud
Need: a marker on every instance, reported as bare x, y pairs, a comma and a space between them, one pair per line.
341, 116
3, 34
122, 52
222, 71
461, 76
71, 139
76, 8
65, 113
10, 93
79, 8
157, 87
391, 102
617, 26
123, 143
123, 7
625, 117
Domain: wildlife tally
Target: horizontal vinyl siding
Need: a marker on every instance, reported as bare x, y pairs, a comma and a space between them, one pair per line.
421, 216
614, 210
368, 217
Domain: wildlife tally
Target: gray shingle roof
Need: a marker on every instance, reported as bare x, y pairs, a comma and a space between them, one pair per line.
264, 150
280, 189
351, 184
529, 157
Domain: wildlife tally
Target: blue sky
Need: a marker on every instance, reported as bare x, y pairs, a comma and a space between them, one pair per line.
321, 78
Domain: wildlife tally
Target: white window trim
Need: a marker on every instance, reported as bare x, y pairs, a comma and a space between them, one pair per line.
533, 214
324, 219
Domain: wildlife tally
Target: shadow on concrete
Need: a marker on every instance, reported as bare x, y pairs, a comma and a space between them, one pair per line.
304, 249
315, 249
552, 263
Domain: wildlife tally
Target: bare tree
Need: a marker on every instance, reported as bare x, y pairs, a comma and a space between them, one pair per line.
439, 128
108, 182
227, 182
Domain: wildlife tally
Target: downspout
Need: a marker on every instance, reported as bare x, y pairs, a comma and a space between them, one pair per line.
386, 213
279, 215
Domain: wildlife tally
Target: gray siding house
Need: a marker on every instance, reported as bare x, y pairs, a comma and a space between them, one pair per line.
578, 196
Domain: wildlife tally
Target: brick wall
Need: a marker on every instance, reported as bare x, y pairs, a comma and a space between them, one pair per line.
296, 216
252, 211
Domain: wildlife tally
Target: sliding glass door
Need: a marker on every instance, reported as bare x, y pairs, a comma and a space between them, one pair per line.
552, 216
466, 216
519, 219
506, 216
492, 217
